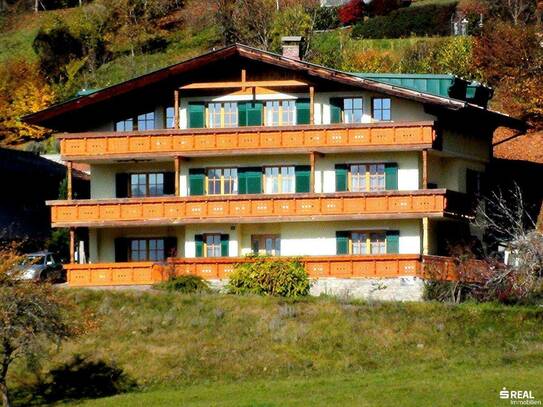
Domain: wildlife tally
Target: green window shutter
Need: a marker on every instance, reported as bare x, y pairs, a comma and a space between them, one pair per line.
121, 185
224, 245
341, 177
197, 112
303, 113
242, 181
254, 114
199, 245
242, 113
197, 179
393, 241
342, 242
170, 247
121, 249
250, 180
303, 178
336, 107
391, 176
169, 183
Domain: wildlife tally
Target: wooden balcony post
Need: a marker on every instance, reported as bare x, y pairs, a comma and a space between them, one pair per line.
176, 109
72, 245
312, 104
312, 172
69, 193
424, 169
425, 236
177, 175
243, 79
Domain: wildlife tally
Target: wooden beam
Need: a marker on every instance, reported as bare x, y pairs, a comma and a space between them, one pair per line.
312, 172
243, 84
312, 105
177, 175
176, 109
69, 189
243, 78
72, 245
424, 169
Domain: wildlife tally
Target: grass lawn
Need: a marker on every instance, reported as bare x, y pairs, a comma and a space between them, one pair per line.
396, 387
214, 349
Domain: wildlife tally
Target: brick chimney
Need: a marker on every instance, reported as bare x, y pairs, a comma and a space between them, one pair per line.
291, 46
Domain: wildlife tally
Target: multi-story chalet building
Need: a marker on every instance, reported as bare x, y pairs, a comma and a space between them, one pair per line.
242, 151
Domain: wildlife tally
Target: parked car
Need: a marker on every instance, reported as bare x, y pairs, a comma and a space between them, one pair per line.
42, 266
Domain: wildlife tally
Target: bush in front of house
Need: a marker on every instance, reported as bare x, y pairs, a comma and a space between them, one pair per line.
185, 284
433, 19
264, 276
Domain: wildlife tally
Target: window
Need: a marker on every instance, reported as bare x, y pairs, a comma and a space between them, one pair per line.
352, 109
214, 115
125, 125
146, 184
272, 113
269, 245
288, 116
381, 109
144, 121
279, 180
230, 114
212, 245
170, 117
363, 243
146, 250
367, 177
280, 113
222, 181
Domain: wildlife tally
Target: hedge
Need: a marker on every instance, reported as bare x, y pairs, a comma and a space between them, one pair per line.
430, 20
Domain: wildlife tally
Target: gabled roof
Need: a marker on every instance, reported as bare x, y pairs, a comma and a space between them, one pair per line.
57, 112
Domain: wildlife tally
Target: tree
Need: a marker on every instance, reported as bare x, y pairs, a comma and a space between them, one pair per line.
351, 12
506, 220
22, 90
510, 58
31, 315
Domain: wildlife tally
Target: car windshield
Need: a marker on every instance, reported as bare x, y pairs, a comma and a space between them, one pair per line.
32, 259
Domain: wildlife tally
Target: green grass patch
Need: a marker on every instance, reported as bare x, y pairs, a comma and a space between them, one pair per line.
161, 338
395, 387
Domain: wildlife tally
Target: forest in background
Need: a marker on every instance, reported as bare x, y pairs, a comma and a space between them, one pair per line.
48, 56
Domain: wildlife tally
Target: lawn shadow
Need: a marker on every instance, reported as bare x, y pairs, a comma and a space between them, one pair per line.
80, 378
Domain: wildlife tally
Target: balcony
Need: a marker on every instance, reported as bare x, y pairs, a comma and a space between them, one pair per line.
142, 273
254, 208
247, 140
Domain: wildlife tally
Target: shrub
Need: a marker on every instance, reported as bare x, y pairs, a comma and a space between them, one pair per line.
432, 19
185, 284
263, 276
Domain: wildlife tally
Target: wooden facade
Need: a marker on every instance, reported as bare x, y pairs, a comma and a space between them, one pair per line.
250, 208
262, 140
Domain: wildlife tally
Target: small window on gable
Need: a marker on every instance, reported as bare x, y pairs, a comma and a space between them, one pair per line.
170, 117
381, 109
353, 110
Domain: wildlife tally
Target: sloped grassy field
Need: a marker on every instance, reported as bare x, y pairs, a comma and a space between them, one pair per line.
244, 349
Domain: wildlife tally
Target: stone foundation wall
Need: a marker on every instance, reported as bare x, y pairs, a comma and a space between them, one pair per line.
382, 289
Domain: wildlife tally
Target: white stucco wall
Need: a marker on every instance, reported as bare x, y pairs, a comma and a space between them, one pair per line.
297, 238
450, 172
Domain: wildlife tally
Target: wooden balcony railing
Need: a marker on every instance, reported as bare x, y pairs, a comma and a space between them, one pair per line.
105, 274
247, 140
250, 208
